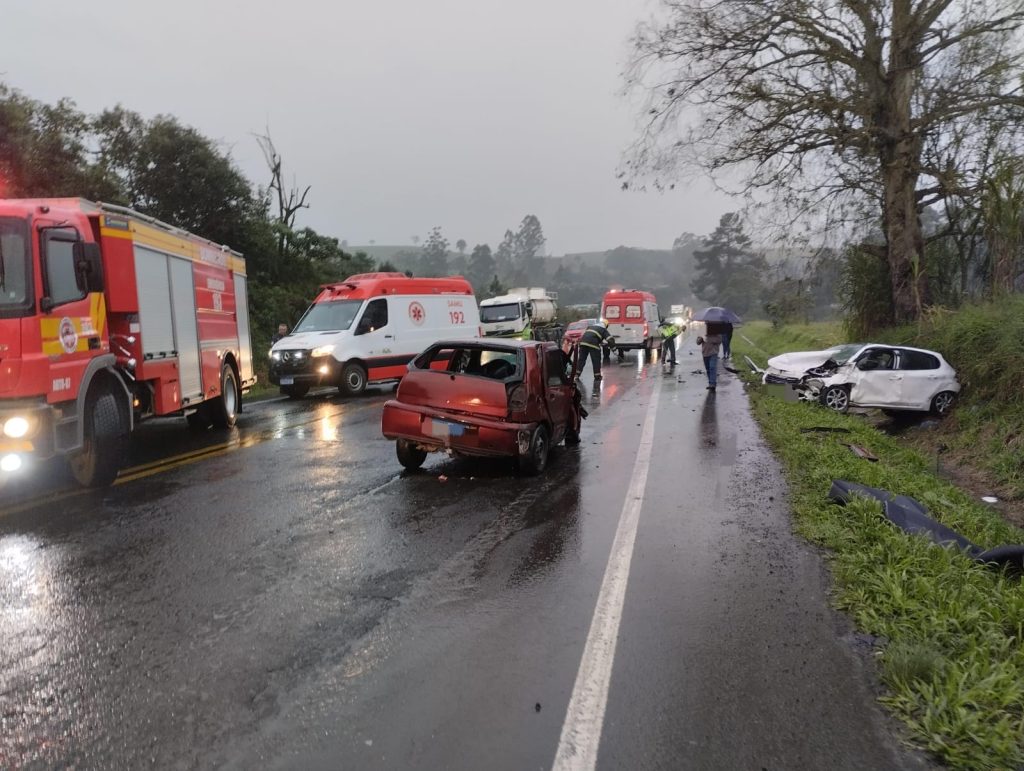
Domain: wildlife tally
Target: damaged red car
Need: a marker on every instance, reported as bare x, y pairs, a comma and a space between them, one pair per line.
507, 398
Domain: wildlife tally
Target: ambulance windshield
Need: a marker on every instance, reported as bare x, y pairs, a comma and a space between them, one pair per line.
333, 316
14, 266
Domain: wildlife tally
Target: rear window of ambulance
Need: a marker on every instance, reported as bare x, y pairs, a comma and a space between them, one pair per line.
612, 312
634, 312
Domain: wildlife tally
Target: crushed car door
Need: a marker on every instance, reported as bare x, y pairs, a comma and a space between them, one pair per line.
558, 384
875, 379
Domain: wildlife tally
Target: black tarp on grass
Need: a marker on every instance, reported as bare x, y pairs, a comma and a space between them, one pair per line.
911, 516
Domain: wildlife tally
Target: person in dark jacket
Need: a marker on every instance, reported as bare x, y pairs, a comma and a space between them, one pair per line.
726, 333
282, 331
595, 339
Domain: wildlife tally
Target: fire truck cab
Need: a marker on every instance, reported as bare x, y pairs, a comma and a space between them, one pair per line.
108, 317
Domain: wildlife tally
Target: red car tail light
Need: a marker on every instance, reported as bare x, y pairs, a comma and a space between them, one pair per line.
517, 398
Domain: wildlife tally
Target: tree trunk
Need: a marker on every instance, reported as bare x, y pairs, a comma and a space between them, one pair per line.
900, 154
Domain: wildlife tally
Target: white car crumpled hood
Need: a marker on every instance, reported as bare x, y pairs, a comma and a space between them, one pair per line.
797, 364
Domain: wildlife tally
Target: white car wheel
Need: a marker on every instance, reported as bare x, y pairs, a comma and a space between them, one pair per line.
836, 398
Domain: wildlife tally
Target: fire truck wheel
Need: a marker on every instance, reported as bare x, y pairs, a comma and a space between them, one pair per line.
353, 379
295, 391
97, 463
224, 409
409, 455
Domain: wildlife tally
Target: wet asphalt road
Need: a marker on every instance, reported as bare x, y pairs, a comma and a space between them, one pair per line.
283, 597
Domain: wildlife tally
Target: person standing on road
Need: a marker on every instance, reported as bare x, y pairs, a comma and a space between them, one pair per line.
592, 341
669, 332
282, 331
709, 344
727, 341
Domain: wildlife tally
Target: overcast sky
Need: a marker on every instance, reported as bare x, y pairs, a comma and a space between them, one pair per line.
402, 114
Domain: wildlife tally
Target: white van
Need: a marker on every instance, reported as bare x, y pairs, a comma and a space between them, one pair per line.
367, 329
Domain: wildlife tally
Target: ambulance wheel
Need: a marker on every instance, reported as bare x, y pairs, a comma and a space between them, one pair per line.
353, 379
536, 458
224, 409
97, 463
295, 391
409, 455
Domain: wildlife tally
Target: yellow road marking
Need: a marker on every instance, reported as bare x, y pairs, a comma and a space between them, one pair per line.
144, 470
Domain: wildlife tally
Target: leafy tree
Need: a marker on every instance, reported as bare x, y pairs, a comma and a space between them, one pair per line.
481, 267
496, 288
879, 103
504, 254
415, 240
527, 248
43, 148
387, 267
435, 254
460, 245
728, 272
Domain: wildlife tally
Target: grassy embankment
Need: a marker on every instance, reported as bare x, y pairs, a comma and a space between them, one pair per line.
952, 657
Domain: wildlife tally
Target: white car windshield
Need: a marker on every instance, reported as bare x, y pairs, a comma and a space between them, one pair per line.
844, 353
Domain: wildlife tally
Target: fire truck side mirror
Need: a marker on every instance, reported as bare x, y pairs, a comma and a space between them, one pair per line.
89, 265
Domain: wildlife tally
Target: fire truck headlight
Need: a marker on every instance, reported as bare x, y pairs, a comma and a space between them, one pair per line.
323, 350
16, 428
10, 463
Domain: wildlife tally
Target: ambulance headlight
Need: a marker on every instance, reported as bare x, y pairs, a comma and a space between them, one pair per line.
16, 427
323, 350
10, 463
275, 355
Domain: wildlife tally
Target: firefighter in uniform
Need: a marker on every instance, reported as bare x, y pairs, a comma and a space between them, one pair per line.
669, 332
593, 341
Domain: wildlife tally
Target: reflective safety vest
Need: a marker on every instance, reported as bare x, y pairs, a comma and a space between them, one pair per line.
669, 330
595, 337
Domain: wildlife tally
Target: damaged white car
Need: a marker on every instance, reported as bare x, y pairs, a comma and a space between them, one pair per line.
892, 378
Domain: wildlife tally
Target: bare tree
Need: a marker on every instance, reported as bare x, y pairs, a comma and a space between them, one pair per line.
290, 200
872, 101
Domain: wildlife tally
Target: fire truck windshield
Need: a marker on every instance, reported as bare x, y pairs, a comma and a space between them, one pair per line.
15, 299
331, 316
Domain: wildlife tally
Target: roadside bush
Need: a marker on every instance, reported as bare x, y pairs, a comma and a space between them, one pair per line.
865, 294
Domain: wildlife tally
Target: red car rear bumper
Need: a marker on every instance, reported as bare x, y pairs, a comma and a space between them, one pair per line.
472, 435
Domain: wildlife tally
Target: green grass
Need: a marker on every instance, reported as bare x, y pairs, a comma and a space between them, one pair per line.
954, 663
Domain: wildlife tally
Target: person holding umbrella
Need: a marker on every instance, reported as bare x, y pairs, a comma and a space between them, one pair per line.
715, 318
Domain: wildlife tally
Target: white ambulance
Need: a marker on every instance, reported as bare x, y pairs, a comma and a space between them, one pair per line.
366, 329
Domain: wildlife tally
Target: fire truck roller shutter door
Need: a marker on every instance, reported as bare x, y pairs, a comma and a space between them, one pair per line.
186, 337
153, 285
242, 317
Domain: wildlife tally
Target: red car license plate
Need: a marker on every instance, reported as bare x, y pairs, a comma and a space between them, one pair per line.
442, 429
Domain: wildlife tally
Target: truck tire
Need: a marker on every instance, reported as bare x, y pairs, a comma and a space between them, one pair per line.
353, 379
409, 455
99, 460
295, 391
223, 410
572, 436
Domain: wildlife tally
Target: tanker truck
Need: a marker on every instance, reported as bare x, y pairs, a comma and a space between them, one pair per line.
525, 313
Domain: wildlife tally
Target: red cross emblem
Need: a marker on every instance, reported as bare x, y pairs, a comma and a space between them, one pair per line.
416, 313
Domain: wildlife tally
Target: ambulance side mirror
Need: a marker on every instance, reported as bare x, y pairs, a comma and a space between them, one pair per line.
89, 266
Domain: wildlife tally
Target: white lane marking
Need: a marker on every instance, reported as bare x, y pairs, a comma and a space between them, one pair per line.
581, 732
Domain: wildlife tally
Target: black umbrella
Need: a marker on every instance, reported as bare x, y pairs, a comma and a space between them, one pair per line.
716, 315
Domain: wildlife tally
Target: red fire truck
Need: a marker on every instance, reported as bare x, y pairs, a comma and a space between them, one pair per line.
108, 317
